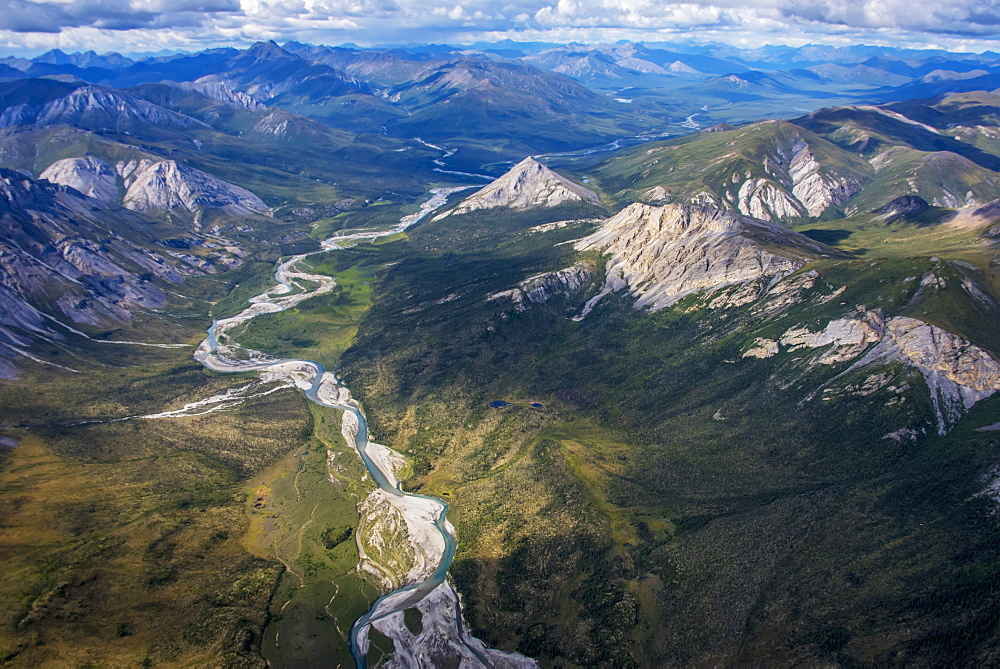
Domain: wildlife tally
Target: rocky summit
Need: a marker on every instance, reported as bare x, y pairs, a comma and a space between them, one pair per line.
149, 185
167, 184
665, 253
527, 185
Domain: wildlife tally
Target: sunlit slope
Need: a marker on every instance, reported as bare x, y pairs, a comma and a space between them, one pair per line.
695, 472
771, 170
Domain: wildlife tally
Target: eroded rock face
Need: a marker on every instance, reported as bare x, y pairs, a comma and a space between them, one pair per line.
153, 186
542, 287
798, 185
89, 175
664, 253
772, 171
814, 186
50, 254
527, 185
67, 260
958, 373
846, 337
223, 92
763, 199
167, 184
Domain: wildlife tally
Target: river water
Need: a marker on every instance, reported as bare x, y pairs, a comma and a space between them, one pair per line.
432, 537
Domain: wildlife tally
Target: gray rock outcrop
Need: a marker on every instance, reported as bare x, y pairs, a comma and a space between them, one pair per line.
91, 176
527, 185
167, 184
901, 206
663, 254
541, 288
957, 372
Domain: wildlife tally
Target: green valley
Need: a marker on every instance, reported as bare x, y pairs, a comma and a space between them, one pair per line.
497, 356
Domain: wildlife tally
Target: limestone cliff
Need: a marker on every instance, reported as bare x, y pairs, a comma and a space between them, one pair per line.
958, 373
542, 287
91, 176
527, 185
167, 184
664, 253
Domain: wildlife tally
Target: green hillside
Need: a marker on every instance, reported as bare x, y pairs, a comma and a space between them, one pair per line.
793, 463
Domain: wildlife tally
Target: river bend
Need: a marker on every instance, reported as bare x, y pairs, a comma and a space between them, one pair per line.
431, 536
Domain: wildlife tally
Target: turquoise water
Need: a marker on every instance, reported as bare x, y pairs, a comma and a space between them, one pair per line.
415, 592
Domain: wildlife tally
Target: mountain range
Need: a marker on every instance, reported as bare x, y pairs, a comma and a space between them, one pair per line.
400, 92
698, 345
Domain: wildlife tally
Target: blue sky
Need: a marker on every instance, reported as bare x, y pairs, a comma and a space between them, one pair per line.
30, 26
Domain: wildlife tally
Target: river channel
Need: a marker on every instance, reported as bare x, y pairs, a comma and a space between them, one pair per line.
431, 536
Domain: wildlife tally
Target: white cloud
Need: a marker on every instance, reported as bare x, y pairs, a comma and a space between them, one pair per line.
124, 24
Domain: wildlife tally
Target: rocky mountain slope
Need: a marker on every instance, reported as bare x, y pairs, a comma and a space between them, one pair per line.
167, 184
831, 163
69, 261
772, 171
154, 186
47, 102
540, 288
958, 374
91, 176
662, 254
527, 185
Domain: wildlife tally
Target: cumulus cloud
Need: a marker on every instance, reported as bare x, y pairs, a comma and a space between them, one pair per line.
27, 16
195, 23
951, 16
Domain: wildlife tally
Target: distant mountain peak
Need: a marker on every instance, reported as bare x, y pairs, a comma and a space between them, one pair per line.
527, 185
269, 51
55, 57
681, 67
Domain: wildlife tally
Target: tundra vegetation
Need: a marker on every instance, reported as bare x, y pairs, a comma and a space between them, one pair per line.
711, 482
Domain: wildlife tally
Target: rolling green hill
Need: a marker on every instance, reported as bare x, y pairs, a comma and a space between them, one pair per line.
773, 170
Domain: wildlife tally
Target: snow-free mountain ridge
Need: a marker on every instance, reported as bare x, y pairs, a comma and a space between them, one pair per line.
527, 185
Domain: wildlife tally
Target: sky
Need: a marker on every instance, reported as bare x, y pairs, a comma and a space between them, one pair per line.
28, 27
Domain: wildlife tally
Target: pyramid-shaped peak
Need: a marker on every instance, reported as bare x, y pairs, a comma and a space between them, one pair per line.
527, 185
269, 50
53, 57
